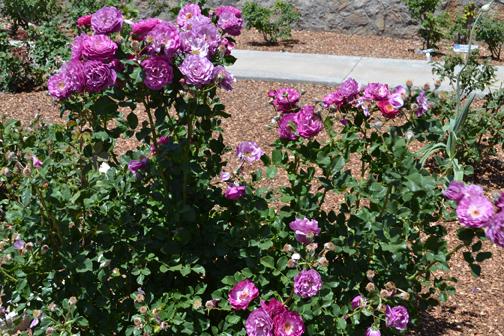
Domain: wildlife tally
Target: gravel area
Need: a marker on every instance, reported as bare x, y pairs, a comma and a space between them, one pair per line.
476, 309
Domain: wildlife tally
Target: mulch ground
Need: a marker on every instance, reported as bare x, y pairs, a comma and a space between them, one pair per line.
478, 306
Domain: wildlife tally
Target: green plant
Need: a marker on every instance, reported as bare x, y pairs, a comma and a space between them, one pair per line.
461, 27
23, 12
491, 31
432, 25
77, 8
274, 22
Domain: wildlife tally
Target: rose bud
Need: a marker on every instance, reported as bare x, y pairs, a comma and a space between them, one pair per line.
370, 287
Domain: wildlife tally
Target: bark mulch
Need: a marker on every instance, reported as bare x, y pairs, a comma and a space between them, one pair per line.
478, 306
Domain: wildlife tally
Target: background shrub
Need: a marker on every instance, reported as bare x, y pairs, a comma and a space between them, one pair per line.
491, 31
23, 12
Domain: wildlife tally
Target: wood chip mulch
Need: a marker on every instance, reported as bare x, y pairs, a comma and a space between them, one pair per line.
478, 306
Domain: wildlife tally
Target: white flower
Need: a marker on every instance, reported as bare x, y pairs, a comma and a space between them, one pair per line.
104, 168
486, 8
296, 256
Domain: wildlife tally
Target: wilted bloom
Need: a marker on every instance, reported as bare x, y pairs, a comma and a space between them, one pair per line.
307, 283
230, 19
187, 12
358, 302
259, 323
285, 99
140, 29
163, 38
19, 244
397, 317
305, 229
234, 192
308, 122
475, 211
373, 332
288, 324
36, 162
287, 126
242, 294
84, 21
223, 78
135, 166
107, 20
99, 76
249, 151
273, 307
157, 72
423, 104
197, 71
98, 47
211, 304
495, 229
455, 191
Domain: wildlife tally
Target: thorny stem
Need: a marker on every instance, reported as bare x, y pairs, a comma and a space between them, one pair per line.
153, 126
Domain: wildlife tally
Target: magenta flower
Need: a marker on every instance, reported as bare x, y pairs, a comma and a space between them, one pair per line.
305, 229
142, 28
345, 94
223, 78
475, 211
288, 324
308, 122
234, 192
307, 283
495, 229
75, 76
249, 151
242, 294
58, 86
285, 99
396, 317
158, 73
273, 307
230, 20
499, 203
287, 126
334, 99
396, 97
197, 71
163, 39
36, 162
135, 166
203, 39
187, 12
107, 20
358, 302
373, 332
455, 191
472, 190
77, 46
423, 104
376, 91
98, 48
84, 21
259, 323
387, 109
99, 76
161, 141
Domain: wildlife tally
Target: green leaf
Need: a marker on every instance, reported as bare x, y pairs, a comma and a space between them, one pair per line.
268, 262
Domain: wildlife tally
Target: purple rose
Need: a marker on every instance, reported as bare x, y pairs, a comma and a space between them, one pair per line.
135, 166
396, 97
288, 324
475, 211
455, 191
77, 46
285, 99
99, 76
161, 141
495, 229
305, 229
84, 21
203, 39
373, 332
249, 151
74, 72
358, 302
58, 86
308, 122
142, 28
242, 294
499, 203
387, 109
197, 70
423, 104
36, 162
158, 73
273, 307
287, 127
98, 48
376, 91
223, 78
397, 317
163, 38
472, 190
187, 12
259, 323
346, 93
107, 20
307, 283
334, 99
19, 244
234, 192
230, 20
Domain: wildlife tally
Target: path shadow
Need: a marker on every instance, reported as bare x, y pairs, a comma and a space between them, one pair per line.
284, 43
429, 325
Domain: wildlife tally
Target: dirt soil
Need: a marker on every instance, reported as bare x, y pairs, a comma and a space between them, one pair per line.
478, 306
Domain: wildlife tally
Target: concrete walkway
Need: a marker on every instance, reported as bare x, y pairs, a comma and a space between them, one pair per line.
331, 69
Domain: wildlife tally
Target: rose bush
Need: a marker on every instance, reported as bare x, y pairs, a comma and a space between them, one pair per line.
171, 238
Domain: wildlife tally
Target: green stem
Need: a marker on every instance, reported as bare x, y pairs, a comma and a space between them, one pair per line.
387, 197
153, 126
7, 275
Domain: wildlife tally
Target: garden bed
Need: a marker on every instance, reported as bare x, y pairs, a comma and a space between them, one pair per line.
477, 307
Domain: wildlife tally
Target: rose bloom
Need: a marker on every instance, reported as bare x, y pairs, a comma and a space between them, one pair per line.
135, 166
223, 78
358, 302
197, 71
187, 12
77, 46
234, 192
36, 162
308, 122
397, 317
273, 307
376, 91
249, 151
230, 20
475, 211
203, 39
285, 99
499, 203
305, 229
107, 20
58, 86
307, 283
287, 127
84, 21
242, 294
387, 109
423, 104
163, 38
140, 29
98, 48
99, 76
346, 92
372, 332
157, 73
161, 141
495, 229
259, 323
472, 190
455, 191
288, 324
